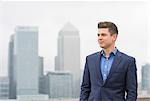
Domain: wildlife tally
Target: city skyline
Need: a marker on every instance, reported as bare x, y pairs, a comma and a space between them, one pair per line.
85, 16
25, 66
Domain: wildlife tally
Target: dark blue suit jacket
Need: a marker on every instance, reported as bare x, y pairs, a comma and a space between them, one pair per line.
122, 78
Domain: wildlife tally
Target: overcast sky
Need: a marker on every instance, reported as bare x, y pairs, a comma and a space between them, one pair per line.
130, 17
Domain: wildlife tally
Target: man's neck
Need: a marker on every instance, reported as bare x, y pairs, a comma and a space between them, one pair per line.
109, 50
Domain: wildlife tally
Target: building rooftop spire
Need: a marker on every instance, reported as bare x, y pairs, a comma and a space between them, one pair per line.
69, 27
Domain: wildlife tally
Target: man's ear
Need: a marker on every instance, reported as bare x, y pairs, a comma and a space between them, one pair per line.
114, 37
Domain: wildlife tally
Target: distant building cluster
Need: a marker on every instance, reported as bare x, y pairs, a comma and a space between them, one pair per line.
25, 67
4, 87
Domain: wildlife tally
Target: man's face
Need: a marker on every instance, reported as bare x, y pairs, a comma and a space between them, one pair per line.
105, 38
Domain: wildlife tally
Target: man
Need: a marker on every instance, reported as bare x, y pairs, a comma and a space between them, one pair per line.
109, 75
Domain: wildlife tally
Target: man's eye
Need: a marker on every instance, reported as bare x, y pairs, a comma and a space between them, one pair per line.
103, 34
98, 34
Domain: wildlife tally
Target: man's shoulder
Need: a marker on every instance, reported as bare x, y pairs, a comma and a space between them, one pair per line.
93, 55
126, 56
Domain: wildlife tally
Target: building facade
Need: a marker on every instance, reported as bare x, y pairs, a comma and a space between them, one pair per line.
59, 84
26, 66
146, 78
4, 88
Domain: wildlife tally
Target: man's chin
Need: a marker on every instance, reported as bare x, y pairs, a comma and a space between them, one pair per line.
102, 46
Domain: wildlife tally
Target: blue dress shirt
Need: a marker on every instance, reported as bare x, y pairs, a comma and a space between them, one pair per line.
106, 63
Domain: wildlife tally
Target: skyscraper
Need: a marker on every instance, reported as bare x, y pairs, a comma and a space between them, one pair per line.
11, 72
68, 58
26, 60
41, 75
146, 78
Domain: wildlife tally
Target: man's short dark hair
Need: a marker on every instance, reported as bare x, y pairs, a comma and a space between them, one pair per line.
111, 26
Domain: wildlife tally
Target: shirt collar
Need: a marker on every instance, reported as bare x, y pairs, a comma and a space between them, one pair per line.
114, 52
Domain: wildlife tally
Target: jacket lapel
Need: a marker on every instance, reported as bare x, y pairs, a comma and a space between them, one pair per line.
98, 66
115, 64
